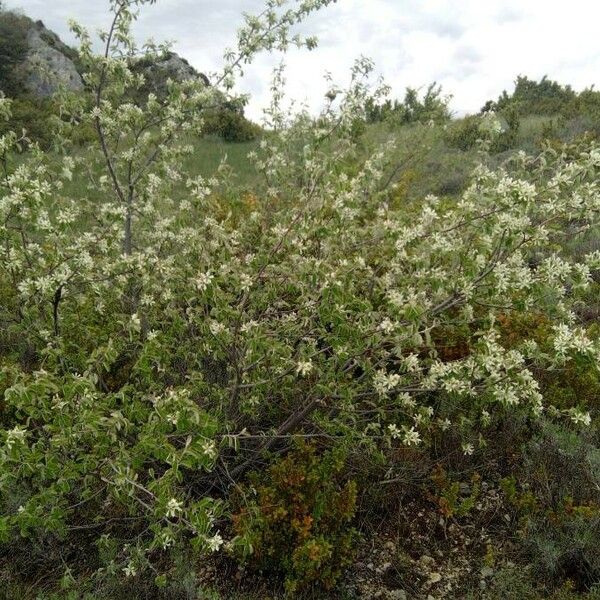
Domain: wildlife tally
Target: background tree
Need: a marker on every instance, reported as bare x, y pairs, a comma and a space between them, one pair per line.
416, 107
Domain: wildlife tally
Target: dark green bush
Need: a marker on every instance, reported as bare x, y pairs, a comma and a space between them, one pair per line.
231, 125
530, 97
13, 47
507, 140
34, 116
463, 133
588, 104
547, 97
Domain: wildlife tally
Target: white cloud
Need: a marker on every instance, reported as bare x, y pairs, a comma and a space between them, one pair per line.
474, 49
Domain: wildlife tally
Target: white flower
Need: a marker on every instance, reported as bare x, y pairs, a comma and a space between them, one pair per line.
490, 124
411, 437
386, 326
384, 383
245, 282
216, 328
580, 418
16, 435
571, 340
304, 367
406, 400
468, 449
147, 300
136, 324
248, 325
215, 542
130, 570
203, 281
395, 431
411, 363
485, 417
210, 449
173, 507
165, 539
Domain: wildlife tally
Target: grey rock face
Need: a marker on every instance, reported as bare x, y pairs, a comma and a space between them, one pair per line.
157, 72
47, 66
178, 69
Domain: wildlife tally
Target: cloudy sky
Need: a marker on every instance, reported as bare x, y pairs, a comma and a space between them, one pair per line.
474, 48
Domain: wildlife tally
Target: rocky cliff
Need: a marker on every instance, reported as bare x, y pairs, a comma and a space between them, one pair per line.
158, 71
44, 63
49, 63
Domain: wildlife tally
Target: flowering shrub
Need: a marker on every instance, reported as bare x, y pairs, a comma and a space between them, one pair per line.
296, 518
154, 343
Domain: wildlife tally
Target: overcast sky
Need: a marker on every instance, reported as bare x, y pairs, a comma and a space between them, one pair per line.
474, 48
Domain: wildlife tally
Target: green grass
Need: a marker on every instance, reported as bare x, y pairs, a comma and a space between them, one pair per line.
210, 151
426, 163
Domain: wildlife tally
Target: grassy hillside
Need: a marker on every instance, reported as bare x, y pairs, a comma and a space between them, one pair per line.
427, 162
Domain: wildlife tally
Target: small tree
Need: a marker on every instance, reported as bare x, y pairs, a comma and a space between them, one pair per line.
415, 108
142, 144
